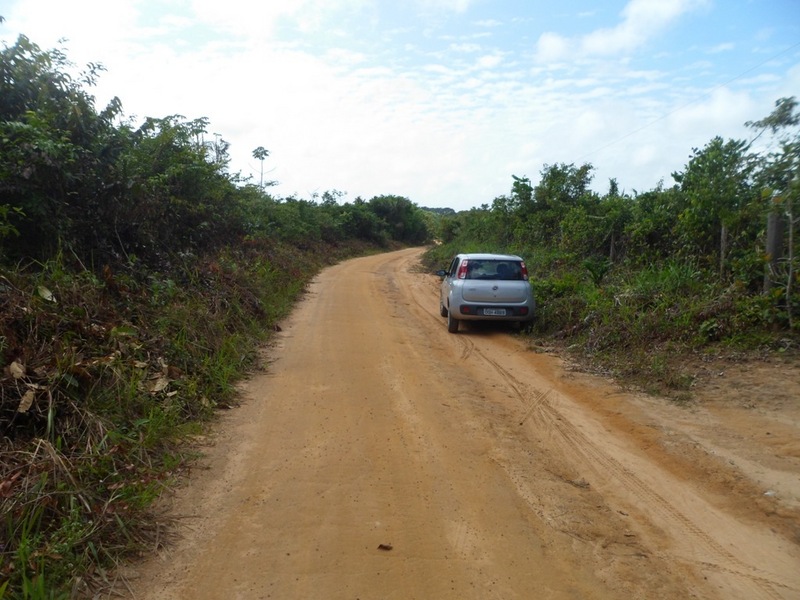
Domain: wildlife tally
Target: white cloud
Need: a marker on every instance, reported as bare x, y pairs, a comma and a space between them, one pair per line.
372, 107
645, 155
458, 6
714, 112
725, 47
259, 20
489, 61
641, 20
52, 21
465, 48
552, 47
344, 58
261, 16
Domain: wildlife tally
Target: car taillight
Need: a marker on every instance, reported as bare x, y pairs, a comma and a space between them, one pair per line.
524, 270
462, 270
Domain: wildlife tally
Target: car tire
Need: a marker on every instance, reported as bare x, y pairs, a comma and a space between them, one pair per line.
452, 324
442, 310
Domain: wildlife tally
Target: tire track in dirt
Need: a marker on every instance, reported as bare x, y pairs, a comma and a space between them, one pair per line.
720, 558
541, 406
539, 403
467, 345
691, 539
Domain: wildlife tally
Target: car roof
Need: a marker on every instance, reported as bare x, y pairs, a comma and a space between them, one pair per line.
487, 256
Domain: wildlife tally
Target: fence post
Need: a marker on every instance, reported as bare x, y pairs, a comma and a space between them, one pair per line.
775, 227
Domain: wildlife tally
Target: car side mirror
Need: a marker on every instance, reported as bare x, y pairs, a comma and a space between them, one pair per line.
441, 273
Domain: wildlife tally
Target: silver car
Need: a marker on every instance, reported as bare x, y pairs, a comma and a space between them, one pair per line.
486, 287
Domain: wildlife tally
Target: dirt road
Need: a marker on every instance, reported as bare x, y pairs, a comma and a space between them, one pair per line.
381, 457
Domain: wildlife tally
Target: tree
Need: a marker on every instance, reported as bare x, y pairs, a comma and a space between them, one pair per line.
561, 188
174, 193
780, 179
596, 229
404, 221
261, 153
502, 219
650, 233
57, 152
717, 183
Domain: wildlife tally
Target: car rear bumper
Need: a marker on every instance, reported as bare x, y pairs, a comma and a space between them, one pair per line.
493, 312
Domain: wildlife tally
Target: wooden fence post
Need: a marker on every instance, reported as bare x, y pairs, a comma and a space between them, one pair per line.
775, 227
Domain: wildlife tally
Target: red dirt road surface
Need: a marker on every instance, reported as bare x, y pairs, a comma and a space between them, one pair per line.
379, 456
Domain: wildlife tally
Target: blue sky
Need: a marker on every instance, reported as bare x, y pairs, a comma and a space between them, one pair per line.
440, 101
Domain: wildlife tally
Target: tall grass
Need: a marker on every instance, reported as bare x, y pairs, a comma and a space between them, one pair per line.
641, 323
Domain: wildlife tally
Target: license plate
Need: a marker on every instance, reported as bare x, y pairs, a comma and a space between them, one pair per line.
495, 312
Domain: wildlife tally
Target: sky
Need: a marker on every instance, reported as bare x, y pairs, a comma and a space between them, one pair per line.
439, 101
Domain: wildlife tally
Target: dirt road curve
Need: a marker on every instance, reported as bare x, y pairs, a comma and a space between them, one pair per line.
381, 457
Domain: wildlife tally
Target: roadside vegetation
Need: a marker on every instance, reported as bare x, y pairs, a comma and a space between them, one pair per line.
648, 285
139, 276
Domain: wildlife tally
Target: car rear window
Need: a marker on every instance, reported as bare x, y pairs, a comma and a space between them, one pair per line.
494, 269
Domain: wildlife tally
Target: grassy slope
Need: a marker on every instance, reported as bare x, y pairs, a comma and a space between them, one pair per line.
107, 377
